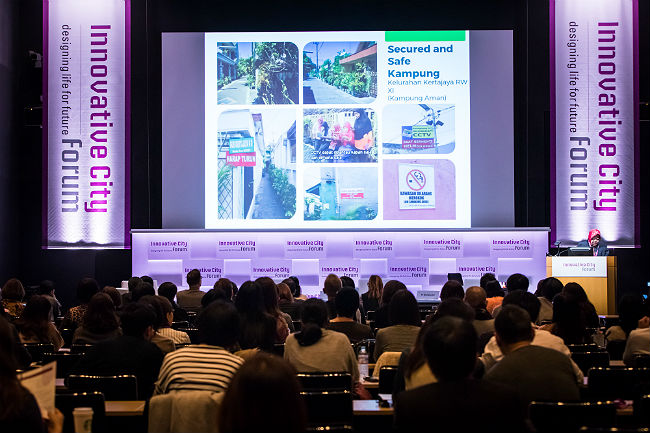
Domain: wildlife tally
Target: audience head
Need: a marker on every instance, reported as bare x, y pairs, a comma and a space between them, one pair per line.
525, 300
86, 288
297, 287
452, 289
454, 307
485, 278
314, 316
569, 319
517, 282
213, 295
390, 288
46, 287
630, 311
403, 309
347, 282
269, 295
512, 326
193, 278
168, 290
147, 279
575, 291
168, 311
375, 287
550, 287
476, 298
249, 299
133, 283
37, 310
347, 303
218, 325
143, 289
114, 295
13, 290
493, 289
138, 320
156, 307
449, 345
226, 286
284, 293
263, 396
332, 285
100, 316
291, 284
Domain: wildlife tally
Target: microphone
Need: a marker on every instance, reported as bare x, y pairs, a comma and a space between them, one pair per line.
557, 245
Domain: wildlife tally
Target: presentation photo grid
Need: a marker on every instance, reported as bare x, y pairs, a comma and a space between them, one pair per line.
332, 130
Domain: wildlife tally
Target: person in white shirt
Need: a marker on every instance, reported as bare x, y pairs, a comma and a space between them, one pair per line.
638, 342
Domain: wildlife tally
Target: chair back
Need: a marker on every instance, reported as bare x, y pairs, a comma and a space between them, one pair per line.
587, 360
588, 347
80, 348
184, 324
278, 349
328, 408
121, 387
641, 361
67, 334
193, 333
642, 411
325, 381
616, 348
297, 325
66, 403
36, 350
387, 376
569, 417
64, 362
370, 315
614, 383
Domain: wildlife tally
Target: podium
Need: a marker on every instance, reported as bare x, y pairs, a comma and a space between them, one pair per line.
597, 275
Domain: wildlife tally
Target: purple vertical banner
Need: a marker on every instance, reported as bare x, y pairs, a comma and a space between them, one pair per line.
594, 120
86, 123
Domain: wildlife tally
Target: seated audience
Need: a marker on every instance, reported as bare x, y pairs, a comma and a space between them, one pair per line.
296, 290
390, 288
638, 342
452, 289
630, 311
226, 286
19, 411
456, 403
494, 294
284, 323
405, 325
13, 293
347, 304
131, 353
34, 324
263, 396
168, 290
213, 295
331, 287
86, 289
208, 366
147, 279
165, 344
131, 285
190, 299
164, 327
575, 291
317, 349
286, 302
536, 373
143, 289
549, 287
371, 298
514, 282
114, 295
476, 298
347, 282
568, 320
46, 288
99, 323
258, 330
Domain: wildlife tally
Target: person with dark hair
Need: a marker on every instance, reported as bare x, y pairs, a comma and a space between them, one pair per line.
165, 344
284, 323
99, 323
575, 291
456, 308
297, 294
476, 298
13, 293
165, 326
381, 316
568, 320
371, 298
536, 373
226, 286
363, 135
190, 299
34, 324
517, 282
347, 282
259, 395
147, 279
495, 294
485, 278
46, 288
114, 295
452, 289
347, 304
168, 290
549, 287
317, 349
19, 411
331, 287
208, 366
213, 295
131, 285
258, 329
86, 289
131, 353
405, 324
456, 402
287, 303
143, 289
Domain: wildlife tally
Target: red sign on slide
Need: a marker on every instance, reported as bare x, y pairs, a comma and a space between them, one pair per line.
241, 159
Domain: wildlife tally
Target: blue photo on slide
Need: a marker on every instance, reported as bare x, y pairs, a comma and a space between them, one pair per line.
341, 193
419, 129
339, 72
257, 73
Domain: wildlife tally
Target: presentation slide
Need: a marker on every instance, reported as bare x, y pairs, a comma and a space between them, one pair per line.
338, 130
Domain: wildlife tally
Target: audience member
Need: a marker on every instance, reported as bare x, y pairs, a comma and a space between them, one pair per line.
452, 289
347, 282
486, 278
34, 324
638, 342
165, 344
190, 299
132, 353
297, 290
257, 328
575, 291
371, 298
46, 288
331, 287
86, 289
131, 285
19, 411
143, 289
390, 288
13, 293
213, 295
630, 311
476, 298
284, 323
164, 327
147, 279
549, 287
188, 368
536, 373
286, 302
263, 396
99, 323
168, 290
517, 282
114, 295
226, 286
455, 402
405, 324
568, 320
347, 304
494, 294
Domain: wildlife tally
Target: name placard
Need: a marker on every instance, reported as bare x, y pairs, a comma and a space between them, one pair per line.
579, 267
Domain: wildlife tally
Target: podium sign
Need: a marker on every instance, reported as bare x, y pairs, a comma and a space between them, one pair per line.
579, 267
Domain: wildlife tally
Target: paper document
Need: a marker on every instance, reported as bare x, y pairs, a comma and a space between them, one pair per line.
41, 382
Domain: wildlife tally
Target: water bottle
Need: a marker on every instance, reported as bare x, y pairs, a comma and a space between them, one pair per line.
363, 362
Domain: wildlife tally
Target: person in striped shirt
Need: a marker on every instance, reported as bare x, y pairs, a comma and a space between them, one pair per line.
208, 366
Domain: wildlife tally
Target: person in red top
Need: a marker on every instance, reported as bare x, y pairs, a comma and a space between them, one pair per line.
595, 242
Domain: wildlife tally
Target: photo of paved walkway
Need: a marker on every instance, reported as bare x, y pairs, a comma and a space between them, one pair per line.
315, 91
236, 92
266, 204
